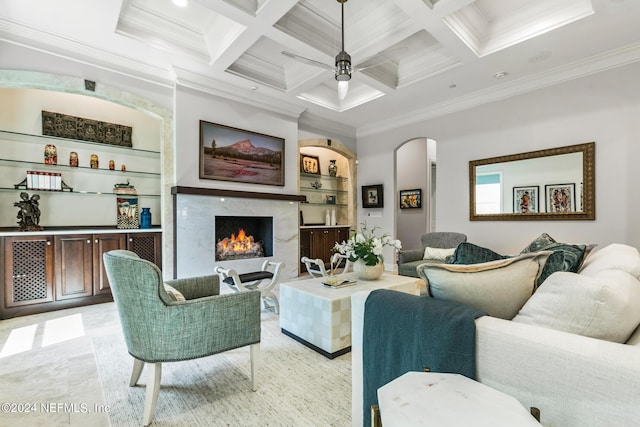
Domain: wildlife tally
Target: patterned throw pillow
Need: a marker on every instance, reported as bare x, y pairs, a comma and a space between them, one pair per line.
437, 254
573, 255
175, 294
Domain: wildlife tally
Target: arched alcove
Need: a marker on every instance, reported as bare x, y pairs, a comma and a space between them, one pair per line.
18, 79
350, 161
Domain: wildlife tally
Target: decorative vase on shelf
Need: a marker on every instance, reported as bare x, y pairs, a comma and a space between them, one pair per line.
73, 159
50, 155
145, 218
368, 272
333, 169
94, 162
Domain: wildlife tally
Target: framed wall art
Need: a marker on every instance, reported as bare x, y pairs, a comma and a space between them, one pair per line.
372, 196
309, 164
230, 154
410, 199
526, 199
560, 197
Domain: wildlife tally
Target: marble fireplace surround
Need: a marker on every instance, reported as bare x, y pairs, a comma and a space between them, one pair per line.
195, 210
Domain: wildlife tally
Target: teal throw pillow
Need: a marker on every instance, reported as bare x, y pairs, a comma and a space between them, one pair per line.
468, 253
573, 255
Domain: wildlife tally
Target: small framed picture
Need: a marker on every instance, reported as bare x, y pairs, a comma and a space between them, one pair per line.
309, 164
560, 197
372, 196
410, 199
525, 199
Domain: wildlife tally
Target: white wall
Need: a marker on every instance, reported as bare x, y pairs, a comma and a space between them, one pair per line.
603, 108
192, 106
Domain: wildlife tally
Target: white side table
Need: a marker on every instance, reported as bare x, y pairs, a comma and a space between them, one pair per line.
436, 399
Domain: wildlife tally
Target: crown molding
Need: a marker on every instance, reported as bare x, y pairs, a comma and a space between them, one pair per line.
593, 65
313, 123
224, 90
77, 51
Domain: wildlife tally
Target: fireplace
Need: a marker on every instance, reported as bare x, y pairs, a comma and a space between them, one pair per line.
243, 237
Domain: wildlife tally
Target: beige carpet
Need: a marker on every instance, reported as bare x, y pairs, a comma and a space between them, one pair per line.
297, 386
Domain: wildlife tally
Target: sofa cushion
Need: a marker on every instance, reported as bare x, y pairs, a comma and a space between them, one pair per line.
614, 256
604, 306
499, 287
574, 255
437, 254
468, 253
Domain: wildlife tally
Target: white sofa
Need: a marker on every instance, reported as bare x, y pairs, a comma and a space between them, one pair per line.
573, 379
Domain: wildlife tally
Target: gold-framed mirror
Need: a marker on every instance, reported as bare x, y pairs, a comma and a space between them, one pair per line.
552, 184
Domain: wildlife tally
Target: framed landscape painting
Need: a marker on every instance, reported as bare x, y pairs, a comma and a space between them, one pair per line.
560, 197
525, 199
410, 199
230, 154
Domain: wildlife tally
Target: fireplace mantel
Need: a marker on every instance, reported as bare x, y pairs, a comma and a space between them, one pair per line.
234, 193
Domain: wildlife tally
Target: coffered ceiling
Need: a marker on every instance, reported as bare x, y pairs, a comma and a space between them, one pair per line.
413, 58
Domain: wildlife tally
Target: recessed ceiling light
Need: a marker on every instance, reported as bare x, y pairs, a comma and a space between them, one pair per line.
254, 88
181, 3
500, 75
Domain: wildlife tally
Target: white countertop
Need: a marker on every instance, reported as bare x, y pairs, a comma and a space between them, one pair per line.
325, 226
88, 230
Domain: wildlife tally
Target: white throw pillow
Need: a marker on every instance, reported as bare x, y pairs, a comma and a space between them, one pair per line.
605, 306
615, 256
173, 292
634, 339
438, 254
499, 288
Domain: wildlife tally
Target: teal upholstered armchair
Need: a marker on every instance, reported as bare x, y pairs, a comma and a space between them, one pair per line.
195, 321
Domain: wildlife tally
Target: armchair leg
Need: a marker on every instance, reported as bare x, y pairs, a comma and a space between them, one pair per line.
255, 361
137, 370
153, 388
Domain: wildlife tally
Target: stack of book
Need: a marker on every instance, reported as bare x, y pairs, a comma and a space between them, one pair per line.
49, 181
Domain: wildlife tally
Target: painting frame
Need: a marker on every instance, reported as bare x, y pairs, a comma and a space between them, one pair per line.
233, 154
372, 196
520, 198
411, 199
560, 198
310, 164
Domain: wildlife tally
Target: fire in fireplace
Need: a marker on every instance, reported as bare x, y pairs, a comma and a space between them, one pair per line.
243, 237
242, 246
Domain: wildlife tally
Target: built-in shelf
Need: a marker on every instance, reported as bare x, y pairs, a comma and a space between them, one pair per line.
76, 192
62, 168
65, 142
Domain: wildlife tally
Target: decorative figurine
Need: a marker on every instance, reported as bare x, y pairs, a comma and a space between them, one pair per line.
50, 155
112, 165
94, 162
29, 213
333, 168
123, 168
73, 159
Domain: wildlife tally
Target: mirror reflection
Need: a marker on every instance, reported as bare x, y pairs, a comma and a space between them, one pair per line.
545, 184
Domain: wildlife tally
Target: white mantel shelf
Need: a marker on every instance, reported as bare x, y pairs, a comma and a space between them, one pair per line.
234, 193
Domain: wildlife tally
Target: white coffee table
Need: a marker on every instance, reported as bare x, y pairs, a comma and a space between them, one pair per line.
435, 399
320, 317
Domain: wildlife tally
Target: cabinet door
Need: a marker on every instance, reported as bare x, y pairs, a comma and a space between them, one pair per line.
28, 267
73, 266
104, 243
147, 245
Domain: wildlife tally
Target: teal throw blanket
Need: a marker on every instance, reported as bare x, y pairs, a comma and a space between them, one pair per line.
404, 332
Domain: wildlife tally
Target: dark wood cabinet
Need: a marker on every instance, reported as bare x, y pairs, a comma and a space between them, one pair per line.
104, 243
318, 242
73, 266
28, 271
51, 272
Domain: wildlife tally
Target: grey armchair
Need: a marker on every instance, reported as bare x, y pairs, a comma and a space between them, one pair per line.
159, 328
409, 260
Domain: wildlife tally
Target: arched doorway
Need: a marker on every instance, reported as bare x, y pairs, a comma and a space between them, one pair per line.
415, 163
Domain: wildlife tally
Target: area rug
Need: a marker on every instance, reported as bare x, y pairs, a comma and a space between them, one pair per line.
297, 386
